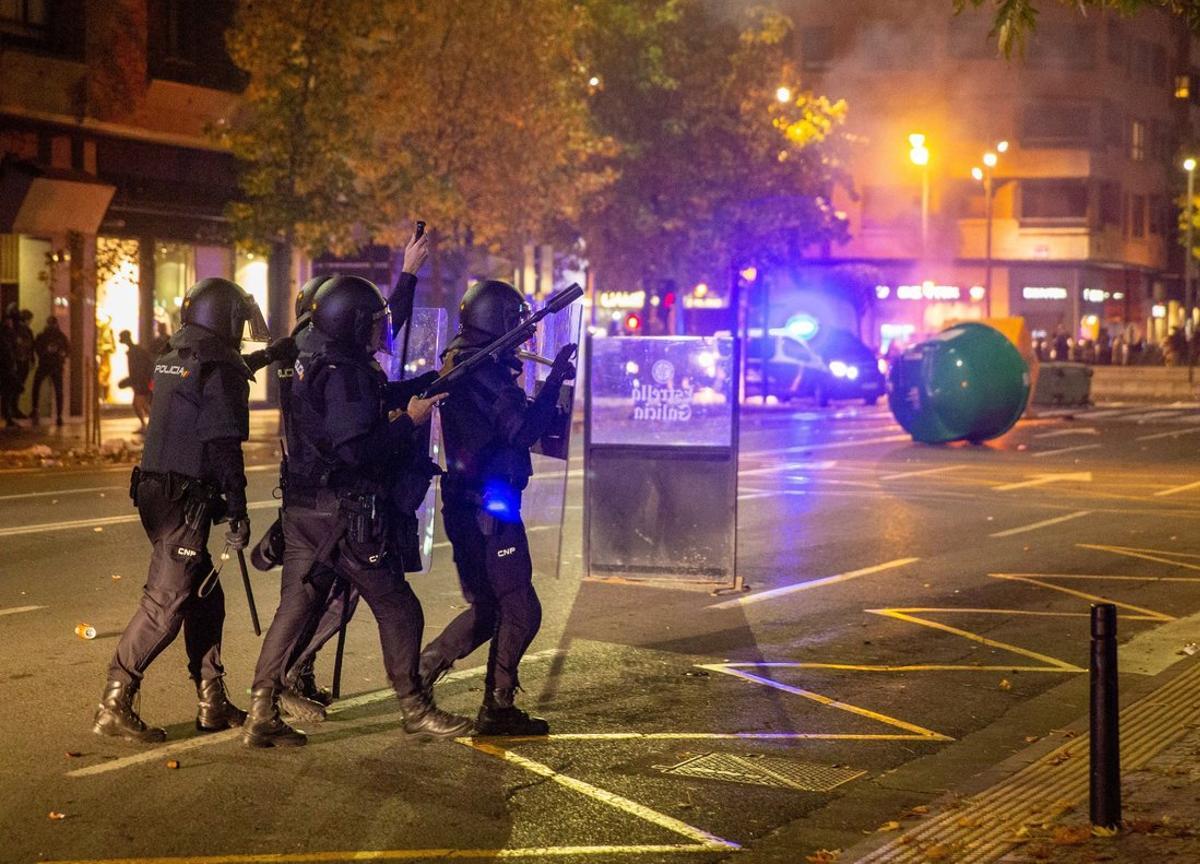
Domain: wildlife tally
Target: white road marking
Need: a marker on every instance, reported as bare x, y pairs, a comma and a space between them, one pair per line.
1175, 489
1157, 415
945, 468
1174, 434
824, 465
1044, 479
100, 522
1086, 430
748, 599
604, 796
156, 753
1045, 523
17, 610
1066, 450
61, 492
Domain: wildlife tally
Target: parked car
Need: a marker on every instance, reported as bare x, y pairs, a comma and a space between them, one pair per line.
833, 365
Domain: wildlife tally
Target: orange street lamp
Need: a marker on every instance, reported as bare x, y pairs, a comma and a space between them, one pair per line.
919, 154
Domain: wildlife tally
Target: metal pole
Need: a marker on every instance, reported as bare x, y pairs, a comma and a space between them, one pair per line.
1189, 299
1105, 732
987, 277
241, 556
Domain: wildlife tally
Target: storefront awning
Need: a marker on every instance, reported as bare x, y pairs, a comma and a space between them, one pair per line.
39, 200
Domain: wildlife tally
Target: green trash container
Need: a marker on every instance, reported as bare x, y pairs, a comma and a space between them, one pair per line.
968, 383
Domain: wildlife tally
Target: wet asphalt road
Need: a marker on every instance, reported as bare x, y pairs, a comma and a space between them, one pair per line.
933, 622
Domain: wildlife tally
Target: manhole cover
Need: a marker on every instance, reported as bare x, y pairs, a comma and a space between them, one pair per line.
764, 771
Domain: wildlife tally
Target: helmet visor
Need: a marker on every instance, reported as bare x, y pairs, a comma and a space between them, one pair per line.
381, 338
255, 329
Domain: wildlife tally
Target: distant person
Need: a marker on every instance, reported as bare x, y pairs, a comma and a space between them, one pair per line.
141, 372
9, 390
1104, 348
24, 357
162, 339
52, 350
1062, 345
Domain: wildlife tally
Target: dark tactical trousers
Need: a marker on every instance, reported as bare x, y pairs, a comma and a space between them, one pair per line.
496, 575
305, 592
170, 598
338, 603
55, 374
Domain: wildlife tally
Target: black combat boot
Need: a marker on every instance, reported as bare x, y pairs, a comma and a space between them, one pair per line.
306, 685
215, 712
424, 719
499, 716
264, 727
115, 716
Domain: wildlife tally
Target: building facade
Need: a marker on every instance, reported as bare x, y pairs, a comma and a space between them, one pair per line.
112, 192
1094, 114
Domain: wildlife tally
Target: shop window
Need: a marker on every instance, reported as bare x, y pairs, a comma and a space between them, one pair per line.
1137, 141
1054, 200
1183, 86
118, 277
250, 271
1137, 215
1056, 124
816, 48
174, 273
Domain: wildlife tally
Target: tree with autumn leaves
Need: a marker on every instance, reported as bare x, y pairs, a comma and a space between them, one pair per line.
655, 131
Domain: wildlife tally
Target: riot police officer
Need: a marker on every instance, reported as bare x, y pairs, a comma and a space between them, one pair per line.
191, 476
341, 442
489, 425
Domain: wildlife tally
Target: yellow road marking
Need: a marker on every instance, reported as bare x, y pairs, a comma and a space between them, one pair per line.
710, 841
1143, 554
716, 736
928, 667
1043, 613
975, 637
409, 855
1095, 598
1176, 489
827, 701
1105, 578
1045, 523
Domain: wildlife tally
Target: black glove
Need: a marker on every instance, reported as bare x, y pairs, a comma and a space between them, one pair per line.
283, 350
563, 369
237, 536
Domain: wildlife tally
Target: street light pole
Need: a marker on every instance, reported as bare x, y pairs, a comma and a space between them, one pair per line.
919, 154
984, 175
1189, 294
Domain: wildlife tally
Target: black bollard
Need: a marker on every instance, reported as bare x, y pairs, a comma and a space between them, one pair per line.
1105, 730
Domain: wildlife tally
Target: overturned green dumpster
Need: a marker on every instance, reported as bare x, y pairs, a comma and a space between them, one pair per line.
968, 383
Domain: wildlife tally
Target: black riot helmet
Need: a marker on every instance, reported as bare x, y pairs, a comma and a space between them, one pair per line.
351, 311
305, 297
225, 309
489, 310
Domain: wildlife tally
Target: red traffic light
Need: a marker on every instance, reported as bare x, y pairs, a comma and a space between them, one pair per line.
669, 299
633, 322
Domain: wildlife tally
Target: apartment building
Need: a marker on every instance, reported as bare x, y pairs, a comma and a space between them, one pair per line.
1094, 116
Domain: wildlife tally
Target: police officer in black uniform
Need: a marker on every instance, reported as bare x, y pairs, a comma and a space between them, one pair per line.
191, 476
342, 444
489, 425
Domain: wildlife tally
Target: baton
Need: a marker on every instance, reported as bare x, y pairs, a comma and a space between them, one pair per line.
241, 556
341, 642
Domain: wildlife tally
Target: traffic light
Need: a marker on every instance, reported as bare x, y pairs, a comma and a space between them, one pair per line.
633, 323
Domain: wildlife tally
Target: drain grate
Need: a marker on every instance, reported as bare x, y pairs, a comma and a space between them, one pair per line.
764, 771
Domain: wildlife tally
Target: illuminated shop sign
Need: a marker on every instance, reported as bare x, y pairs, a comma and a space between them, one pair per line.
709, 301
928, 290
1044, 292
622, 299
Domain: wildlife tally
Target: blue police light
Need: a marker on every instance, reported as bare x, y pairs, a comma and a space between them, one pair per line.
501, 501
802, 326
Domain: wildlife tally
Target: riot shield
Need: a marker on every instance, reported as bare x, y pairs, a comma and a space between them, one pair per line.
426, 339
543, 505
660, 460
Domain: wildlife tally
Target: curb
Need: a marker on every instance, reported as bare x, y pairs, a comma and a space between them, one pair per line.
987, 825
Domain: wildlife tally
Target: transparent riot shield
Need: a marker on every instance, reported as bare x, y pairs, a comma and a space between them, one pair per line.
660, 460
543, 505
425, 336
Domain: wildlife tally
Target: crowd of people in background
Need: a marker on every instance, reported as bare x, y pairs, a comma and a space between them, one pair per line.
1129, 348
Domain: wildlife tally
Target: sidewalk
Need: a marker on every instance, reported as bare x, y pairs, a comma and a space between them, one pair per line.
50, 446
1161, 812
